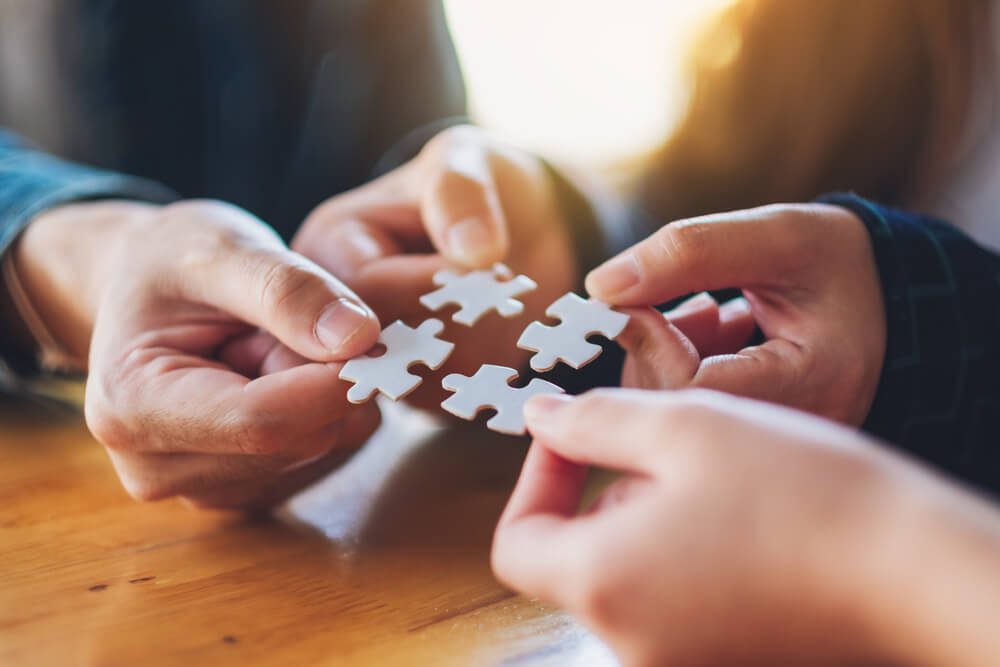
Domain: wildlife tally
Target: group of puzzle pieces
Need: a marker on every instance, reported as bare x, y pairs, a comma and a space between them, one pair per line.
477, 293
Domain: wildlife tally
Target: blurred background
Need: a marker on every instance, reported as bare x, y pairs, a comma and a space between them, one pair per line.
689, 106
607, 81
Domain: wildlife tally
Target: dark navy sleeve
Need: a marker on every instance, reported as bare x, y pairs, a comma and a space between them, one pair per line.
939, 393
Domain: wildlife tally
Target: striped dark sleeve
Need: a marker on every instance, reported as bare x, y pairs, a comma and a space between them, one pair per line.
939, 394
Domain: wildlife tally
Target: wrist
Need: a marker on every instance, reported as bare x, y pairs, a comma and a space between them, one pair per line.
64, 261
932, 573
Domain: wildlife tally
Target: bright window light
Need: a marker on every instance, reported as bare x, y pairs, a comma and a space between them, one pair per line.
593, 82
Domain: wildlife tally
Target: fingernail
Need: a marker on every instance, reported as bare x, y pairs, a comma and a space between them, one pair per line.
341, 321
541, 409
614, 276
695, 303
471, 240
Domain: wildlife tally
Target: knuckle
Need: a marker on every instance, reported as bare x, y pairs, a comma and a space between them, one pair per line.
282, 281
213, 230
110, 405
141, 480
146, 491
227, 221
452, 136
107, 427
683, 244
258, 434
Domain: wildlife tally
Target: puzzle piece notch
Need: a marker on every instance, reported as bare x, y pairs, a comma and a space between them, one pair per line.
478, 292
567, 341
389, 374
490, 388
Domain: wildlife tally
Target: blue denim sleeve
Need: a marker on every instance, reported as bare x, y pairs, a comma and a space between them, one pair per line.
31, 182
939, 394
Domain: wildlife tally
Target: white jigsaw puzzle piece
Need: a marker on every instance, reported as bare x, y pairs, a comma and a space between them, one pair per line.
479, 292
567, 341
389, 373
490, 388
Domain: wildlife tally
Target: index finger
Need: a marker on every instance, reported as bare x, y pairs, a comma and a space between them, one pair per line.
459, 199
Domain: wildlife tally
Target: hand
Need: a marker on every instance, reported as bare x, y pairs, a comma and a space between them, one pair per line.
466, 200
809, 283
161, 300
746, 534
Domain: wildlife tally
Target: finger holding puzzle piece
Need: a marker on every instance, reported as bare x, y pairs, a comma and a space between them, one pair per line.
389, 374
490, 388
567, 341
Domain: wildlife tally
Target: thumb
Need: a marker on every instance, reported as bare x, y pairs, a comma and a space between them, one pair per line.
299, 303
459, 201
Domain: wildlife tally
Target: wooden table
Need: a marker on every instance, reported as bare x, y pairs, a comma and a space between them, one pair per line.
384, 562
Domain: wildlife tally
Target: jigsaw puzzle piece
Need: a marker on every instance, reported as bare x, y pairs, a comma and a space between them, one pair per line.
389, 374
567, 341
478, 292
490, 388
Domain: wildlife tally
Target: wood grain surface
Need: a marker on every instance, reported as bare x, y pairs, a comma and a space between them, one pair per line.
384, 562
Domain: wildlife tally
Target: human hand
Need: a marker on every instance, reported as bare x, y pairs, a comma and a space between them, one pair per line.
809, 283
746, 534
465, 200
159, 301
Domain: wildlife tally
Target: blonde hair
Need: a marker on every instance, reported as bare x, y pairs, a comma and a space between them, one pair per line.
792, 99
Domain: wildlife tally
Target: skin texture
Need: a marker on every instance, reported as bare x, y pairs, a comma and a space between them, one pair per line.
741, 533
466, 200
213, 350
809, 282
145, 298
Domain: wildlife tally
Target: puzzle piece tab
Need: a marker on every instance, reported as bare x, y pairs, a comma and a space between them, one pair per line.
479, 292
490, 388
567, 341
389, 373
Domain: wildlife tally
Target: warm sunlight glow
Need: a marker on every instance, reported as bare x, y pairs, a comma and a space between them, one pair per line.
588, 81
